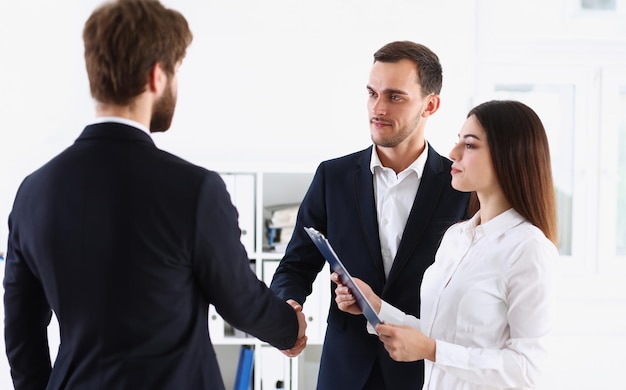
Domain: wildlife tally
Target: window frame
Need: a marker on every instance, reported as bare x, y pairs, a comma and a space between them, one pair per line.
585, 155
613, 87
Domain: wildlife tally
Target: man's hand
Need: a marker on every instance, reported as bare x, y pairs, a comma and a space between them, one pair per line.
346, 301
302, 338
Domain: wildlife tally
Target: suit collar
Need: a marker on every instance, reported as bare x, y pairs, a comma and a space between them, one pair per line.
114, 131
432, 184
124, 121
366, 205
417, 166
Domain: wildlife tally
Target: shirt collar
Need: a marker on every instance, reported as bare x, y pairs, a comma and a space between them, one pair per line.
496, 226
417, 165
125, 121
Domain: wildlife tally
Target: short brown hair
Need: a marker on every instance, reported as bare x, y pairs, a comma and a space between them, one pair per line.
124, 39
521, 159
429, 70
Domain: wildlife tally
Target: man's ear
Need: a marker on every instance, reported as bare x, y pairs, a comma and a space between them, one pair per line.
433, 104
158, 79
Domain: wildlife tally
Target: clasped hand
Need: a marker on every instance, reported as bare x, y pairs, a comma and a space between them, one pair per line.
302, 338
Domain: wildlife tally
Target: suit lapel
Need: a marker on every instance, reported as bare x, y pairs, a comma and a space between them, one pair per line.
366, 206
426, 199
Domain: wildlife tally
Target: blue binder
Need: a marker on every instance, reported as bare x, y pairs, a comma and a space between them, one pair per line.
243, 379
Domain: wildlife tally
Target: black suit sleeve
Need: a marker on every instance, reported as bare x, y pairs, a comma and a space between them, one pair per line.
302, 262
26, 318
223, 271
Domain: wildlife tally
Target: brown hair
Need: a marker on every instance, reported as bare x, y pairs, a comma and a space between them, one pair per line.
124, 40
429, 72
521, 159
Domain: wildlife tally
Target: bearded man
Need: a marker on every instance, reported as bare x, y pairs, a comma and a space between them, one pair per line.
128, 244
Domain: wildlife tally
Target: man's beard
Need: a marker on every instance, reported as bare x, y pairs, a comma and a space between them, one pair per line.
163, 110
396, 139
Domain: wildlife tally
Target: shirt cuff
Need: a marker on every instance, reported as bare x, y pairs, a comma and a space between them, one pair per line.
392, 315
452, 355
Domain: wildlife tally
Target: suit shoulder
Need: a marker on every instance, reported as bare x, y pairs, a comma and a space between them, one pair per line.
351, 158
183, 164
194, 176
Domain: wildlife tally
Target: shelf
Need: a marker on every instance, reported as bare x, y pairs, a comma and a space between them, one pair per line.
257, 195
235, 341
271, 255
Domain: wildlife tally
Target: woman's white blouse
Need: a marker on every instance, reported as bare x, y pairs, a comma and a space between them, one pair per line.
486, 301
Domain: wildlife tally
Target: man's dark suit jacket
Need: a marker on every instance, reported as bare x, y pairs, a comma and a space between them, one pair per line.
128, 245
340, 203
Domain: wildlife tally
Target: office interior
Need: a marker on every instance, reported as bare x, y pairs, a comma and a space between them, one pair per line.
279, 86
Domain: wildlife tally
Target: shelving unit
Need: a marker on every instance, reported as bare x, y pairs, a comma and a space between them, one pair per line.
256, 194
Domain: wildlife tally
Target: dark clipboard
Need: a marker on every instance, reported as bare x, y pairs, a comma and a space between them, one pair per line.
337, 266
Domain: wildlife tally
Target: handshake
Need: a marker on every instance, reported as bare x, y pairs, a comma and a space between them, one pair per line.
302, 338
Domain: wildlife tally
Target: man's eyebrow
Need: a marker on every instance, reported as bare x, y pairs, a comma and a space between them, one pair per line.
389, 91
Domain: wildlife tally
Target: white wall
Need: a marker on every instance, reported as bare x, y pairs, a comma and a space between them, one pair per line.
277, 81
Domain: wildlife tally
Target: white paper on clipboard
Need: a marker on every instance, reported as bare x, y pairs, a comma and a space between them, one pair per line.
337, 266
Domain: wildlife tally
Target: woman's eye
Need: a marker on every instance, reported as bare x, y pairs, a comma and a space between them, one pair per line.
469, 146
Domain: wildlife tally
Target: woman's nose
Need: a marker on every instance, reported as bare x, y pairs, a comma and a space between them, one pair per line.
454, 153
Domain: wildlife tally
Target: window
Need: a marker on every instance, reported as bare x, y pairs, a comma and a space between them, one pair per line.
562, 98
554, 104
597, 5
584, 112
620, 234
612, 210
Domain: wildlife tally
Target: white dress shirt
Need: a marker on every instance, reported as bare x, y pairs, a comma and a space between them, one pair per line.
394, 195
487, 302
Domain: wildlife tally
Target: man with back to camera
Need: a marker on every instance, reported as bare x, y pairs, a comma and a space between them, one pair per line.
384, 209
128, 244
